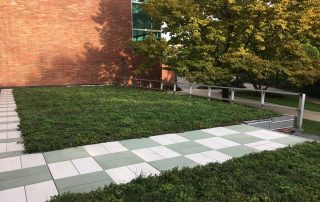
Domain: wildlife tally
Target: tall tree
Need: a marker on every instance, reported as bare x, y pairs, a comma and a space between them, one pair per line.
212, 41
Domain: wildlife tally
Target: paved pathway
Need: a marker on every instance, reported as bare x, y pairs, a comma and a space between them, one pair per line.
36, 177
310, 115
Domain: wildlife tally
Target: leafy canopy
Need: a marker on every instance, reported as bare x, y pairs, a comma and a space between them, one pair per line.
214, 40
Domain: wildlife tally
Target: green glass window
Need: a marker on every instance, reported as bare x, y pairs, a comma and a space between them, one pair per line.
142, 24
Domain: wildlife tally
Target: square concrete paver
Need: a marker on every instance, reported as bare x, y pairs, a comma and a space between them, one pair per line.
186, 148
143, 169
86, 165
242, 138
237, 151
266, 134
65, 154
114, 147
121, 175
96, 149
220, 131
167, 164
139, 143
32, 160
196, 135
169, 139
23, 177
290, 140
115, 160
40, 192
200, 158
217, 143
13, 195
218, 156
62, 169
83, 183
9, 164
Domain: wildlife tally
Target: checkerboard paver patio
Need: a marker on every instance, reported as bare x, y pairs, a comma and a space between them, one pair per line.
37, 177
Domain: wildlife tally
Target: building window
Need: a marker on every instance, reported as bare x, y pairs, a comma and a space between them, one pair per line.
142, 24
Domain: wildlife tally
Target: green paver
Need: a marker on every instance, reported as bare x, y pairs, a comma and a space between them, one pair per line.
243, 128
186, 148
139, 143
118, 160
290, 140
11, 140
24, 177
83, 183
65, 154
10, 154
242, 138
167, 164
196, 135
237, 151
85, 187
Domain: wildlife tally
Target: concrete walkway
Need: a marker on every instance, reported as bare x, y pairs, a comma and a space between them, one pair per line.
310, 115
37, 177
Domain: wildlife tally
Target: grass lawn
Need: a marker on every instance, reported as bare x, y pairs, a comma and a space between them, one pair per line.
311, 127
61, 117
289, 174
286, 100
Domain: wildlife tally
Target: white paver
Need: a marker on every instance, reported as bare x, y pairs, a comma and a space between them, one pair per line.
14, 134
217, 143
266, 135
32, 160
13, 195
121, 175
169, 139
62, 169
41, 192
148, 155
220, 131
269, 147
3, 147
143, 169
14, 146
9, 164
162, 139
86, 165
114, 147
96, 150
3, 136
200, 158
164, 152
218, 156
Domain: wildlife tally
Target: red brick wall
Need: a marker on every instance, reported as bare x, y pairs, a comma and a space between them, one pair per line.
42, 43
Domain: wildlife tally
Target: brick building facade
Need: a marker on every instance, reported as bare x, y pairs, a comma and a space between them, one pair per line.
55, 42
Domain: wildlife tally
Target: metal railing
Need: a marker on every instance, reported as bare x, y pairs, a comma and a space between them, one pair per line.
150, 84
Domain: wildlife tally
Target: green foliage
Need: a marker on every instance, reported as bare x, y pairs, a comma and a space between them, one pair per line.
290, 174
214, 40
58, 118
285, 100
311, 127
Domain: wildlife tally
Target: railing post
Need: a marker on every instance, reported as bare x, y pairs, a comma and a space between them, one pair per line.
209, 93
150, 84
124, 81
302, 99
161, 85
140, 83
232, 95
263, 96
175, 88
190, 89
